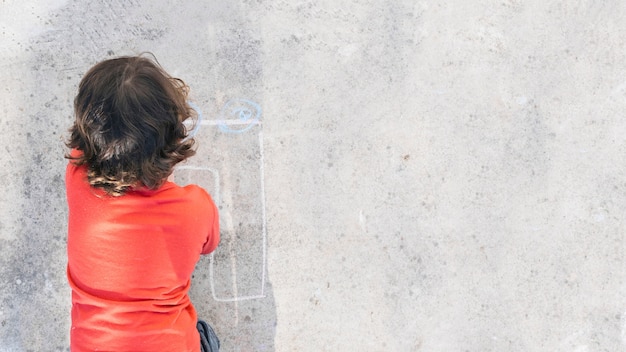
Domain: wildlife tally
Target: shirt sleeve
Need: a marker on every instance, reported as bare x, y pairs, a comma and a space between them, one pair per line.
213, 237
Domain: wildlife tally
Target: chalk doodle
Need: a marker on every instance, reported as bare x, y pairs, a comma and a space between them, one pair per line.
237, 269
198, 123
184, 174
239, 115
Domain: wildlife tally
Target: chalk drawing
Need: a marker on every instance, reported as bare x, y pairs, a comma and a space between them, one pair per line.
179, 177
239, 115
362, 221
198, 123
233, 258
236, 117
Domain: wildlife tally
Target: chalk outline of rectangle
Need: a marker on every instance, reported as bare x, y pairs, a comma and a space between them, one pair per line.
216, 176
263, 218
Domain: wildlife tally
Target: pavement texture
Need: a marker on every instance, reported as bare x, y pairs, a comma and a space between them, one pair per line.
395, 176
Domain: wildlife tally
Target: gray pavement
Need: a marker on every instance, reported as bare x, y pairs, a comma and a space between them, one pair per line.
394, 175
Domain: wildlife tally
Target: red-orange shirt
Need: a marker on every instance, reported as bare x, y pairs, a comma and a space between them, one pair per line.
130, 261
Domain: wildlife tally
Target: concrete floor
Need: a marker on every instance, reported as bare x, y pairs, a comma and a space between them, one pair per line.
425, 176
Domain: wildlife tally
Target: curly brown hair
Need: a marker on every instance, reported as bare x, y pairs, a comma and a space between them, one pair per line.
129, 124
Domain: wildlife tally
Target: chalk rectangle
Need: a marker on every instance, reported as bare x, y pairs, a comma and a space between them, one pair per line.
230, 167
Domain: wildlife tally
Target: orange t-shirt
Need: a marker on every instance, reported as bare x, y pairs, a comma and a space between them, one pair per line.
130, 260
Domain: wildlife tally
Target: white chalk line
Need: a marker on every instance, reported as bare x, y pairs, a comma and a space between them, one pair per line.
224, 122
263, 216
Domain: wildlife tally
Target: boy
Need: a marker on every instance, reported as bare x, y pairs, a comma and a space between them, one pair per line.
134, 237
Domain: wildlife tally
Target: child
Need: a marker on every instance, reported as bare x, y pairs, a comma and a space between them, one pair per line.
134, 237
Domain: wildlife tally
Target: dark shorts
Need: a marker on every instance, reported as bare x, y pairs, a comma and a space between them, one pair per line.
208, 340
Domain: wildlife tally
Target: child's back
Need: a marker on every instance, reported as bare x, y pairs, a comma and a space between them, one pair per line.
133, 237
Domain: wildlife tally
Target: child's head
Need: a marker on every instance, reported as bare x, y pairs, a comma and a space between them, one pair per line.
129, 124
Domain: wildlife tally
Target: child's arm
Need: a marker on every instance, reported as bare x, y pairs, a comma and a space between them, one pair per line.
213, 237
